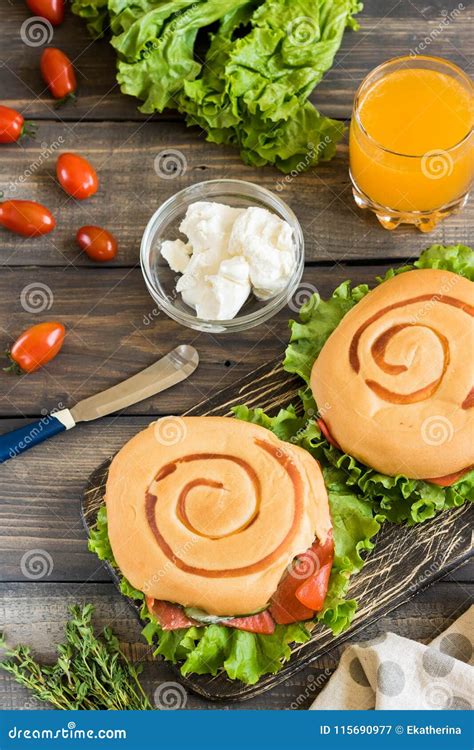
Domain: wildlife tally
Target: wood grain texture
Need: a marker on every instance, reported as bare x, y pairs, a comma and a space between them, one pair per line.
115, 330
130, 191
35, 614
388, 29
40, 494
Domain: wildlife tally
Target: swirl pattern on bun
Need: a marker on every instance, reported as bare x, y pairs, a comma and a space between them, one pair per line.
212, 518
394, 381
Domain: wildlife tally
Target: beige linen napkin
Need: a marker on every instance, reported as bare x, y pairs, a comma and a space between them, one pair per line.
395, 673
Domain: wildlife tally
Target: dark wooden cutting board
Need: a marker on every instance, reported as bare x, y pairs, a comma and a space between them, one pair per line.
404, 561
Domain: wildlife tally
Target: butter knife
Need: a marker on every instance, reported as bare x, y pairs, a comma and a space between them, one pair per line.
176, 366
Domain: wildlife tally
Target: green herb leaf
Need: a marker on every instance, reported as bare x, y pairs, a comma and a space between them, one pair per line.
90, 672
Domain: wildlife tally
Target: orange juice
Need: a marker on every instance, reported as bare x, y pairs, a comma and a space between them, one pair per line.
411, 139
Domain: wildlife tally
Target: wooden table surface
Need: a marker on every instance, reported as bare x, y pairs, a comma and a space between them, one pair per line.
114, 329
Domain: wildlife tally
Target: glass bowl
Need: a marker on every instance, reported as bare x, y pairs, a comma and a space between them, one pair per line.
164, 225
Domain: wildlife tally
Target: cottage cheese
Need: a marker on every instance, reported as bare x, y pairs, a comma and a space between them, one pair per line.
230, 252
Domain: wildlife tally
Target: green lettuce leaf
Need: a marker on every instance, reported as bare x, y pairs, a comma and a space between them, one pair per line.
212, 648
242, 70
95, 14
396, 499
319, 318
456, 258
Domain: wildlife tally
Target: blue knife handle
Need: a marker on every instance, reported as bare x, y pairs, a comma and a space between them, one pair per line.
16, 442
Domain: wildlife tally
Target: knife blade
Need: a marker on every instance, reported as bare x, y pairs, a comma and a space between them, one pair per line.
176, 366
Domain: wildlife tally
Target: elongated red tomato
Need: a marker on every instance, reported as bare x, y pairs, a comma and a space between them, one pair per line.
37, 345
312, 592
449, 479
26, 217
52, 10
58, 73
295, 597
98, 243
13, 125
76, 176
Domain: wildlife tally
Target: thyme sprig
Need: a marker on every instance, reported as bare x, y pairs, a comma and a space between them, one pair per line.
90, 673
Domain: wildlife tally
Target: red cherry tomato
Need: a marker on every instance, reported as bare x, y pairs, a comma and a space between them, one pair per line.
52, 10
98, 243
58, 73
13, 126
26, 217
76, 175
36, 346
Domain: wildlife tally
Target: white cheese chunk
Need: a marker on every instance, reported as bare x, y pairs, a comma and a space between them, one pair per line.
177, 254
208, 225
229, 253
266, 241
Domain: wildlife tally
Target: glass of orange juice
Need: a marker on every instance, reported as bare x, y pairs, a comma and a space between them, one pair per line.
412, 141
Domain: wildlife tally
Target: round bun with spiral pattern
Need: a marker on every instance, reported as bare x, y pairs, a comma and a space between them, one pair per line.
396, 377
209, 512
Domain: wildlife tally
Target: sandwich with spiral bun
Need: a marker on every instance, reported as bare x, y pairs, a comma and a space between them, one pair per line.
390, 376
224, 534
397, 378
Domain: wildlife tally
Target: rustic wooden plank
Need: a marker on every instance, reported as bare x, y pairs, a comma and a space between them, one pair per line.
39, 508
131, 191
114, 330
35, 614
388, 28
39, 502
